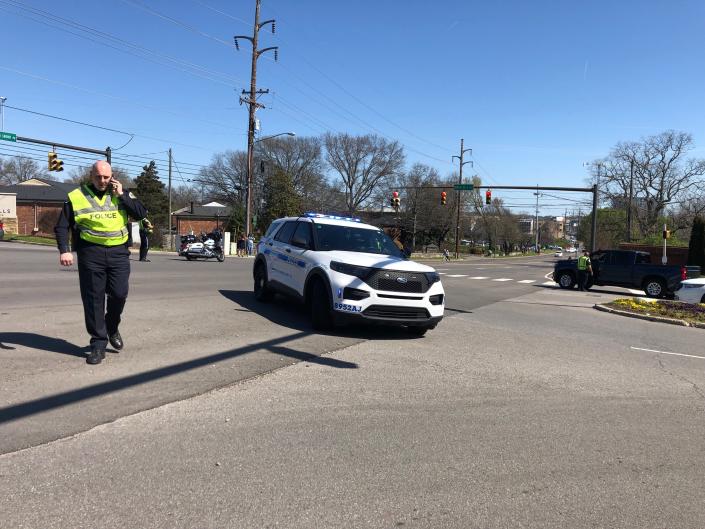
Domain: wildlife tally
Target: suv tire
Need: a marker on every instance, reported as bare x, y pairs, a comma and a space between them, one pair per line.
321, 313
262, 291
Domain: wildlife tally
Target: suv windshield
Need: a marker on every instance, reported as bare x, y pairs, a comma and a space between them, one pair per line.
350, 239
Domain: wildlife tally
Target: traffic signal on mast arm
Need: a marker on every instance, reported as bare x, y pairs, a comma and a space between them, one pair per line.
54, 163
488, 197
395, 199
444, 196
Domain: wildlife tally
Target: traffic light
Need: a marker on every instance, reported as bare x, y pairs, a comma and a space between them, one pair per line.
54, 163
443, 198
395, 199
488, 197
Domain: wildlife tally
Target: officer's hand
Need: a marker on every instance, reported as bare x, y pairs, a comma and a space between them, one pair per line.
117, 186
66, 259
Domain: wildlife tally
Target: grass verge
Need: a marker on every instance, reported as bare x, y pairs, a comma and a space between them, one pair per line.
30, 238
692, 313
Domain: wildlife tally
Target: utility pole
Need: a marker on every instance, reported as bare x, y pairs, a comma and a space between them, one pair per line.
251, 101
595, 199
168, 223
629, 204
458, 195
2, 113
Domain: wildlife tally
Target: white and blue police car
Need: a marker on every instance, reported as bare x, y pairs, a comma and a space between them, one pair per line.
345, 270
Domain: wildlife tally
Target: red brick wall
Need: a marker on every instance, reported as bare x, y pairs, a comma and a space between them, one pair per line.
47, 215
186, 225
677, 255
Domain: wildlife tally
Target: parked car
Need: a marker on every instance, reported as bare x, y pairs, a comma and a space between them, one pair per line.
623, 268
558, 253
691, 291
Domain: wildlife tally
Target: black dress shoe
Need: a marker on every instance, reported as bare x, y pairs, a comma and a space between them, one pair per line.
116, 340
145, 260
96, 356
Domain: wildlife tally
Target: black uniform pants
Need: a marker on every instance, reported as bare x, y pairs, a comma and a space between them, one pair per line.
144, 245
103, 270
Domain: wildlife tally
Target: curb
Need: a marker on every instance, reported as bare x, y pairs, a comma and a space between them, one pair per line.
661, 319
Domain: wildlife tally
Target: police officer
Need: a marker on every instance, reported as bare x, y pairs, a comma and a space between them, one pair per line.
96, 216
584, 270
145, 229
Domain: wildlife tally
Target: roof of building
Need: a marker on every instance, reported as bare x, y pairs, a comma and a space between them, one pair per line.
40, 190
203, 211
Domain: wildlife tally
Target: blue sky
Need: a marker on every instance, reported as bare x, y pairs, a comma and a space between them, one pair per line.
534, 88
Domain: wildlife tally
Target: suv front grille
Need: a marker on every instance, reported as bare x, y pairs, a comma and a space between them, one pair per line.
396, 281
396, 313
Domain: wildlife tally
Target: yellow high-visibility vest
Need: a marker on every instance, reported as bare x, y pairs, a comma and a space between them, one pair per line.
583, 262
99, 220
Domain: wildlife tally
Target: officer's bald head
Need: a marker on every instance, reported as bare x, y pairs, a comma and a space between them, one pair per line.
101, 174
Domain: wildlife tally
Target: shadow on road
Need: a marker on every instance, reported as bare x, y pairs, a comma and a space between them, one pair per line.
292, 314
595, 291
43, 343
275, 345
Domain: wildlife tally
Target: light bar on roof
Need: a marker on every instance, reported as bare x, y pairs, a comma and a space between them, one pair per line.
313, 215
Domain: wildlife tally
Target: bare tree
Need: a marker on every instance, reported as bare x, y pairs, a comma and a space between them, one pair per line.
19, 169
225, 178
301, 160
661, 175
364, 163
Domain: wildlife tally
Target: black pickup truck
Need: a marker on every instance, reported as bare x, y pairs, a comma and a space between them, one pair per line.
623, 268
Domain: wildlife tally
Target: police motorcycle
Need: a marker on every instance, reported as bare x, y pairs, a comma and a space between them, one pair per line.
208, 247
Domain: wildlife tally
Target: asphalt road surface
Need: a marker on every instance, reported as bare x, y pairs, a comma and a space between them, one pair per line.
524, 408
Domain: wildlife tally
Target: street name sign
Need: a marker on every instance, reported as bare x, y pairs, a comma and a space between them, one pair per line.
463, 187
8, 136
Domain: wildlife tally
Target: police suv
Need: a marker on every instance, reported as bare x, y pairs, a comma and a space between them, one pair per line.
345, 270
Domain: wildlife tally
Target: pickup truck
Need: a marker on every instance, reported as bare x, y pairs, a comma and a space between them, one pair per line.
622, 268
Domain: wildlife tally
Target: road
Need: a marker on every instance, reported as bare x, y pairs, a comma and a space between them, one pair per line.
524, 408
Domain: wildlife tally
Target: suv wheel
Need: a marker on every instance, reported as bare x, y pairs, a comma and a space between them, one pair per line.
566, 280
262, 291
654, 288
321, 313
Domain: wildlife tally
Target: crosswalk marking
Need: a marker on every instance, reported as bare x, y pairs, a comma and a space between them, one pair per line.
457, 275
503, 279
550, 283
479, 277
527, 281
441, 273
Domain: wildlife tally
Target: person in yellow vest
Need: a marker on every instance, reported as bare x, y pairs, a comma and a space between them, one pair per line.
95, 215
584, 270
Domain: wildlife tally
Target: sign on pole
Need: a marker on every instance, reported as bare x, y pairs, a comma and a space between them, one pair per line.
8, 136
463, 187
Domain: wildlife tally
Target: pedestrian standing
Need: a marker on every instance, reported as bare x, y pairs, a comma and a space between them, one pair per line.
584, 270
95, 215
241, 245
146, 229
250, 245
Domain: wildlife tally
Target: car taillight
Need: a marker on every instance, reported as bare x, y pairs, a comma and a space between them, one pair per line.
684, 273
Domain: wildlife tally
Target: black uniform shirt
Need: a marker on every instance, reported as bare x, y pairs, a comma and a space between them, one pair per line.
65, 226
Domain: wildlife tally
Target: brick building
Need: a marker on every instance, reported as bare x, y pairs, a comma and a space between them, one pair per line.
200, 218
39, 202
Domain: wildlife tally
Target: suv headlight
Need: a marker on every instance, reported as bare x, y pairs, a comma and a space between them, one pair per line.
432, 277
362, 272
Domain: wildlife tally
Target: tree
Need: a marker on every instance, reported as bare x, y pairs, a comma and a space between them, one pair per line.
19, 169
662, 175
302, 161
696, 248
280, 198
225, 178
611, 226
364, 164
150, 190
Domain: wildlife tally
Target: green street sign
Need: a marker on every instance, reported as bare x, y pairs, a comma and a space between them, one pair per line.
463, 187
8, 136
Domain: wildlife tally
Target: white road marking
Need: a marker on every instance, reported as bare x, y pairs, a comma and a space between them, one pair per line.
503, 279
479, 277
527, 281
441, 273
550, 283
457, 275
635, 292
666, 353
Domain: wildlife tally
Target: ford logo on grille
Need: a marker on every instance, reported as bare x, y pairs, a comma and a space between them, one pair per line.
402, 280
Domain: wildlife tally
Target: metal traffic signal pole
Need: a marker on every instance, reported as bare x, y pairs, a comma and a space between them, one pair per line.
457, 195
